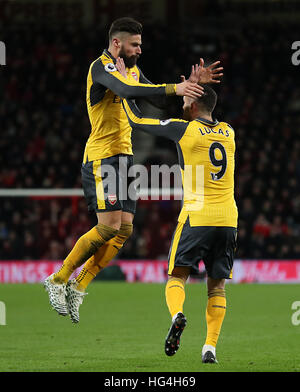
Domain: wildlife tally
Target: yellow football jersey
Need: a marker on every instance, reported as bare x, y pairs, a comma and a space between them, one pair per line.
206, 151
110, 131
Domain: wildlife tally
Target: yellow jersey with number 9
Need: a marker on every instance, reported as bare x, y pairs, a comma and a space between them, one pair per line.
208, 150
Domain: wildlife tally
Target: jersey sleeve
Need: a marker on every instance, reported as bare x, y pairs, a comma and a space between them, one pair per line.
108, 76
172, 129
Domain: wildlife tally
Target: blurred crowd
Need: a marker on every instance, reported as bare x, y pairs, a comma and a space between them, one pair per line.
44, 127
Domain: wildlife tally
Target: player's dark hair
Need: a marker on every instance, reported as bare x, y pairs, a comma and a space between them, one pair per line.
126, 25
208, 100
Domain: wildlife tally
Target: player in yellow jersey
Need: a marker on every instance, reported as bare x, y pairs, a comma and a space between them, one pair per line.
207, 224
109, 147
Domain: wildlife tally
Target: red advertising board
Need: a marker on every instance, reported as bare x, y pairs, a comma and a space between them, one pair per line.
155, 271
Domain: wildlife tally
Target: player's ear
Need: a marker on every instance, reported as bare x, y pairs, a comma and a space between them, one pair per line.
187, 101
116, 43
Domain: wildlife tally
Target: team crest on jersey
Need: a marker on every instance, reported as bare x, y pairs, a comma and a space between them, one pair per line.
165, 122
110, 67
112, 199
134, 74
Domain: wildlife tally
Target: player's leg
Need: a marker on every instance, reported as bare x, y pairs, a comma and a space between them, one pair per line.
181, 262
115, 212
85, 247
109, 215
215, 313
184, 256
95, 264
127, 197
218, 263
175, 296
175, 290
74, 291
88, 244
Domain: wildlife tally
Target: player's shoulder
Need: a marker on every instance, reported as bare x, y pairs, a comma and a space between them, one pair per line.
224, 125
175, 121
105, 62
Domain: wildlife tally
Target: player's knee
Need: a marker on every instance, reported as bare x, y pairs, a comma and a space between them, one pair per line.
181, 273
215, 287
111, 219
105, 232
124, 233
215, 283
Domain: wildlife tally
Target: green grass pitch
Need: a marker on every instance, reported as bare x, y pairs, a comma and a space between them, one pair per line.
123, 327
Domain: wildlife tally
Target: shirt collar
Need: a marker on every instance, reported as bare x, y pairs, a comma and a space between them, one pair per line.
207, 122
108, 54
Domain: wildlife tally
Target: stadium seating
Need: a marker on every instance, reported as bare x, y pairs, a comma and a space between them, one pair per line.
44, 127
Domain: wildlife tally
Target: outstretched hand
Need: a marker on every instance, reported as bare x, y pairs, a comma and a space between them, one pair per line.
189, 89
210, 74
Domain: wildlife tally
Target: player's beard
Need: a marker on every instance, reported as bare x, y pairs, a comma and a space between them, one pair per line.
128, 61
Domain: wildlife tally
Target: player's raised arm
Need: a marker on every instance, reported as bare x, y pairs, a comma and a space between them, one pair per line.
108, 76
205, 75
172, 129
157, 101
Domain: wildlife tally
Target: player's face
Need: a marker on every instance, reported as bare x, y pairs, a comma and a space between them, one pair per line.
130, 49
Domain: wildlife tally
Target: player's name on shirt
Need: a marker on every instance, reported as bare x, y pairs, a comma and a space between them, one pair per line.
207, 130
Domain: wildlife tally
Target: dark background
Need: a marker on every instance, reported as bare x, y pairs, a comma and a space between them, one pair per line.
44, 122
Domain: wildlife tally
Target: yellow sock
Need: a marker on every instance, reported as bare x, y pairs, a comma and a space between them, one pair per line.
113, 246
84, 278
215, 313
85, 247
103, 256
175, 295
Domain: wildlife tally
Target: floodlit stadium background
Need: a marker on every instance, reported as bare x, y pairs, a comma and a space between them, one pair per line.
44, 127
